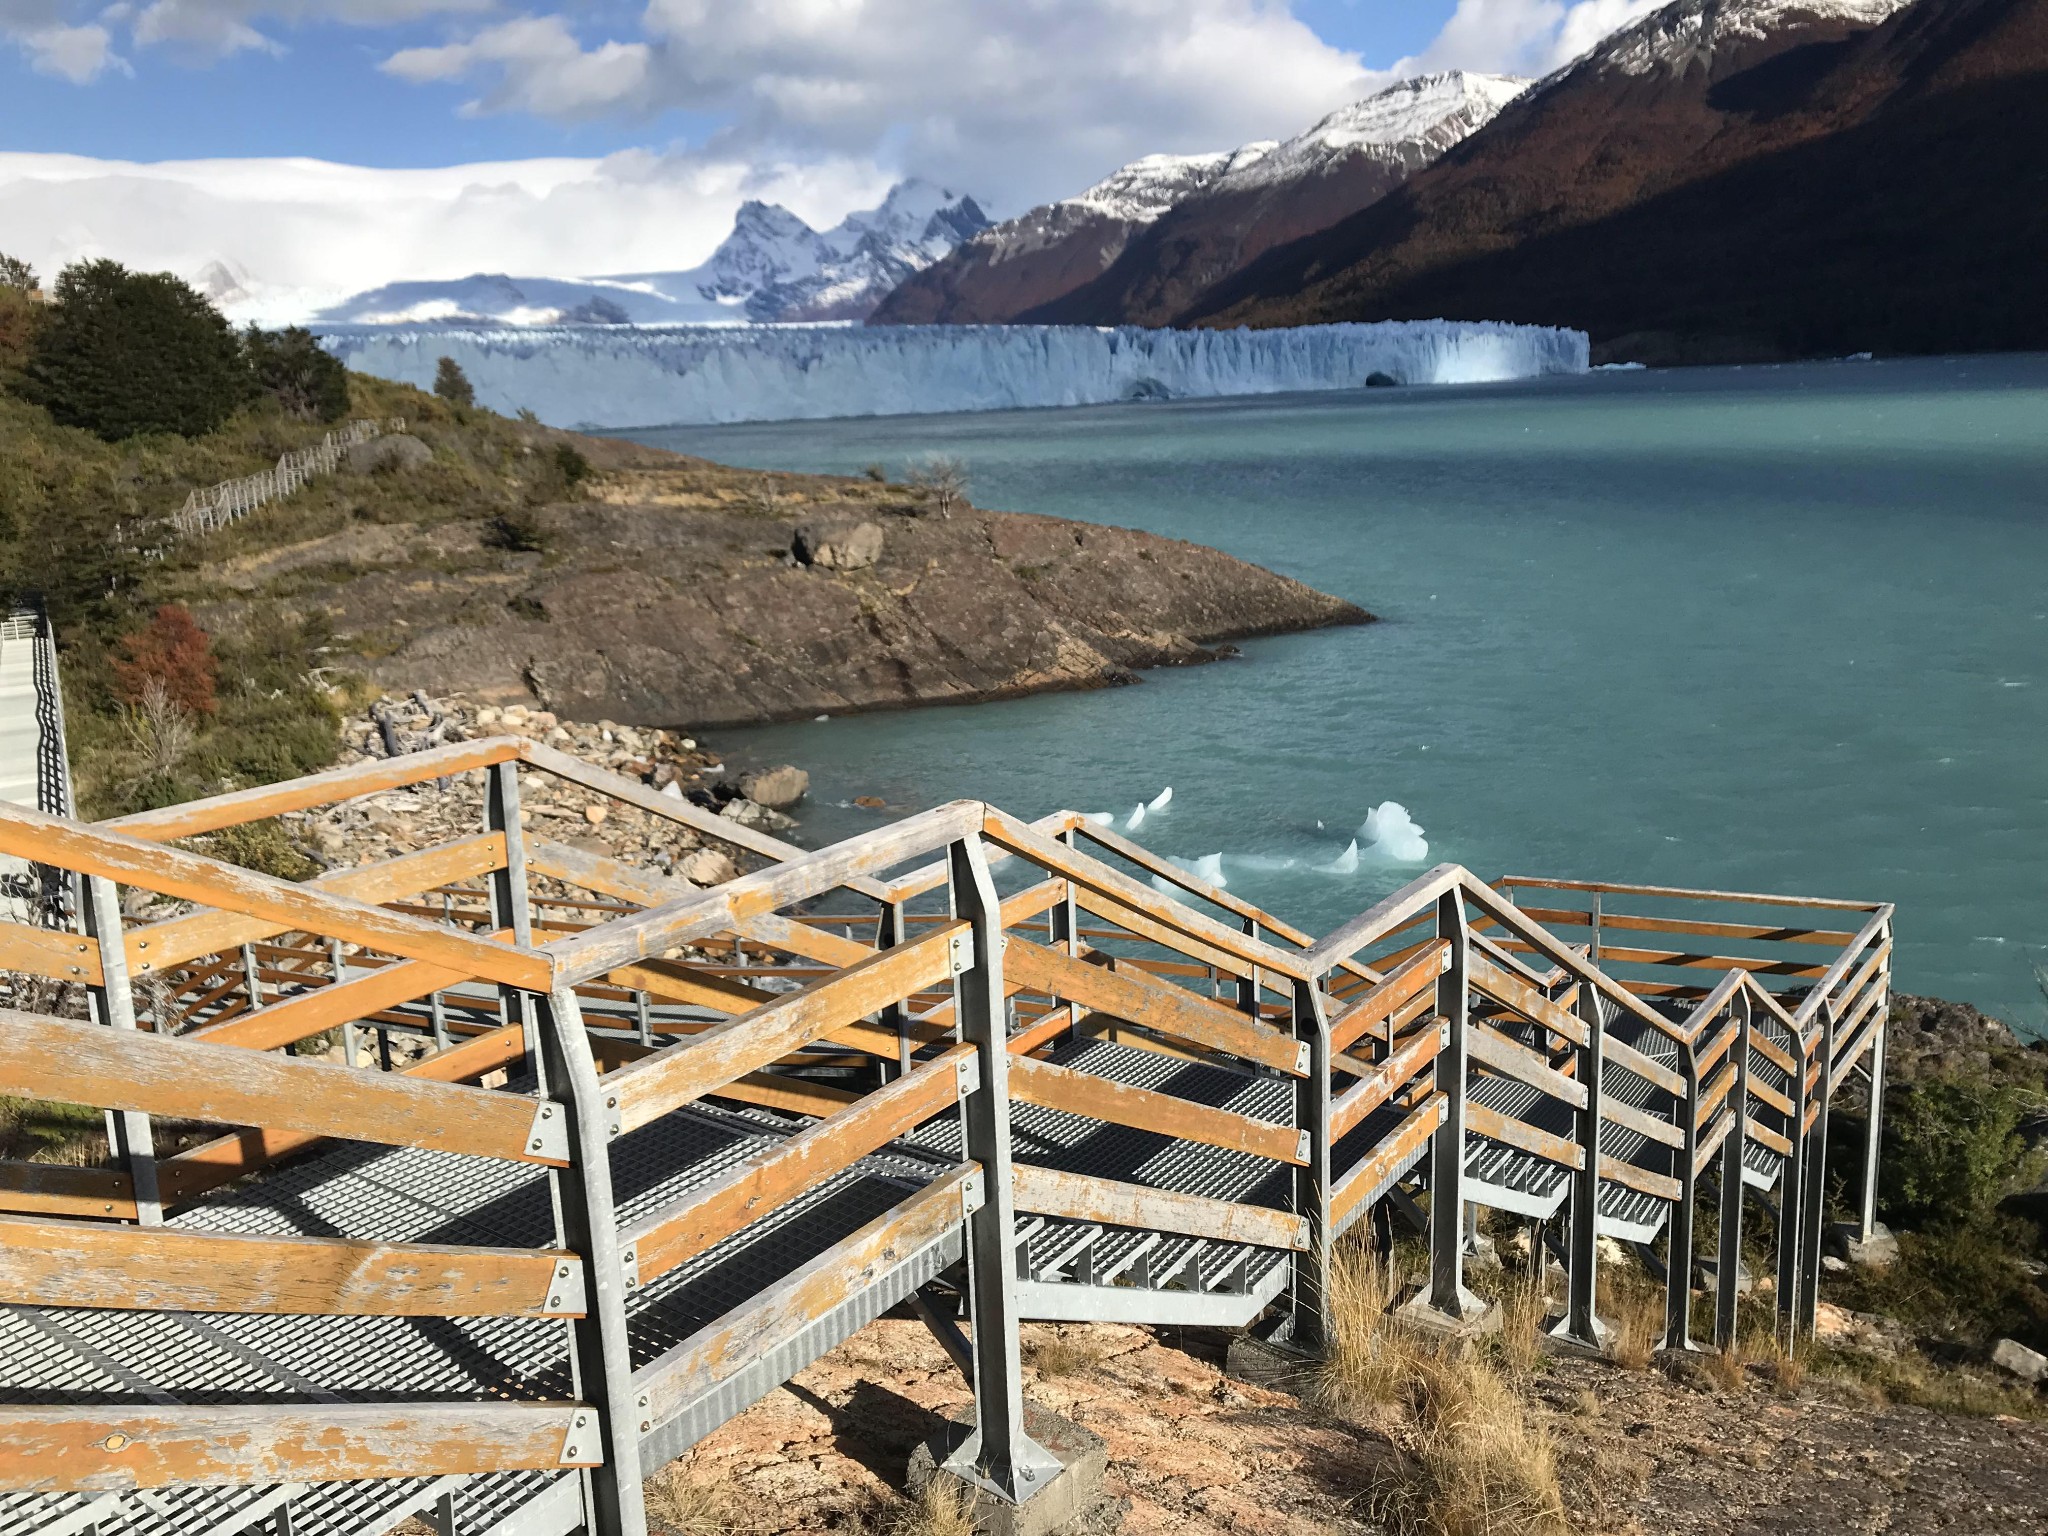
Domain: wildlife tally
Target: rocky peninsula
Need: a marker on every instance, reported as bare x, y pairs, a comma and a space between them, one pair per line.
657, 589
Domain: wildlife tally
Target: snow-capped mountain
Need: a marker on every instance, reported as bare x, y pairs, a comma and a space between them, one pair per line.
773, 267
1144, 241
1693, 31
1725, 181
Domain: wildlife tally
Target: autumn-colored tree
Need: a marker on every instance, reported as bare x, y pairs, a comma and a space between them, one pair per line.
175, 654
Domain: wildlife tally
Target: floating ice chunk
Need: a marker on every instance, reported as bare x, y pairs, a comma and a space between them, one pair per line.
1135, 820
1162, 800
1209, 868
1346, 863
1391, 833
1100, 818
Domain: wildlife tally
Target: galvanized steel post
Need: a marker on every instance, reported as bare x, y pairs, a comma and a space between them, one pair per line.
1581, 1321
1308, 1301
1678, 1252
999, 1455
129, 1134
1447, 1293
1728, 1253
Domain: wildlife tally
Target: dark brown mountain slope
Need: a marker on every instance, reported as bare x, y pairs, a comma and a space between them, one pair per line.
1824, 189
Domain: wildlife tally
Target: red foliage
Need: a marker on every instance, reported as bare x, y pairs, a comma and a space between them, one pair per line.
171, 650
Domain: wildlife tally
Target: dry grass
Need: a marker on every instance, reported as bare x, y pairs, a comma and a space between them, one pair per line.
1724, 1369
1469, 1462
940, 1508
1786, 1368
1635, 1303
1520, 1340
1061, 1354
677, 1506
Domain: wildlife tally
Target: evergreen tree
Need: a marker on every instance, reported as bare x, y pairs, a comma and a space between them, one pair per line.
123, 353
452, 384
292, 368
16, 273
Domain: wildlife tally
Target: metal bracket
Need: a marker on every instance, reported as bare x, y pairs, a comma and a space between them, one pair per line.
1301, 1059
643, 1405
1445, 961
629, 1267
581, 1446
973, 1193
548, 1138
960, 952
1301, 1145
566, 1294
968, 1072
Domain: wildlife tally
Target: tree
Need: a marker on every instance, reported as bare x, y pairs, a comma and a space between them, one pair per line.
17, 274
168, 662
293, 368
123, 353
939, 480
452, 384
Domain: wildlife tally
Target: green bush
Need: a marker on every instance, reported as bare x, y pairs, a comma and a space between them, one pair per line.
263, 846
307, 382
125, 353
1953, 1150
17, 274
452, 384
572, 466
518, 529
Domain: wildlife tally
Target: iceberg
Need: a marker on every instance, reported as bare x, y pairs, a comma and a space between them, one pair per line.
608, 377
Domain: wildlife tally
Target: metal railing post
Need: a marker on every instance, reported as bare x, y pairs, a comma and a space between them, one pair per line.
129, 1135
1447, 1293
1308, 1299
1728, 1249
1792, 1195
891, 929
1581, 1321
1814, 1212
1873, 1133
1679, 1250
1248, 985
509, 906
998, 1455
587, 1216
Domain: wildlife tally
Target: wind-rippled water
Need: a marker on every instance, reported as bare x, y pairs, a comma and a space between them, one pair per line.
1778, 629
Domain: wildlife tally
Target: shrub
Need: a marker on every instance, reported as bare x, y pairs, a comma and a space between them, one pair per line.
452, 384
123, 353
168, 660
1953, 1150
518, 529
573, 467
20, 320
17, 274
305, 380
940, 481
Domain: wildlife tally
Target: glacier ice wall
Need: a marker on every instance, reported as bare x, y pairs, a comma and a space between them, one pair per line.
622, 376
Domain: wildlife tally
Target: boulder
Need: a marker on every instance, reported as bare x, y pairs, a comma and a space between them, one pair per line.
708, 866
750, 814
838, 546
393, 453
2015, 1359
777, 788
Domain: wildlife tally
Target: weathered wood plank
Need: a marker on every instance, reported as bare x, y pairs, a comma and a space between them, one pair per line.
1620, 888
1128, 993
612, 877
172, 1269
1114, 1203
293, 1019
1512, 992
770, 1179
1630, 1059
55, 1189
654, 1085
1622, 954
64, 1061
1615, 1171
114, 1449
1363, 1176
1641, 1122
1488, 1122
1524, 1065
779, 1314
48, 952
1145, 1109
325, 788
174, 941
1392, 1075
1407, 981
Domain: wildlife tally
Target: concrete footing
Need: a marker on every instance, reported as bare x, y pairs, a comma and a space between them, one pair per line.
1879, 1251
1484, 1318
1557, 1342
1073, 1501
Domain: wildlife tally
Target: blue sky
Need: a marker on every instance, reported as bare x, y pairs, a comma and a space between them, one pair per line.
548, 138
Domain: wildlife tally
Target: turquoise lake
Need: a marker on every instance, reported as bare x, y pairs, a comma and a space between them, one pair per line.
1767, 629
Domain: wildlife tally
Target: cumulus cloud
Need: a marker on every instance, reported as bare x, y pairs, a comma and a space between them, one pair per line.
950, 89
308, 232
44, 32
1527, 37
75, 39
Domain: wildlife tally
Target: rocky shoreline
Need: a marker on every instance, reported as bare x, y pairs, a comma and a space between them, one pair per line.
669, 591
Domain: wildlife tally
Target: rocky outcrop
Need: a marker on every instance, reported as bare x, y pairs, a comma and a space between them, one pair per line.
677, 600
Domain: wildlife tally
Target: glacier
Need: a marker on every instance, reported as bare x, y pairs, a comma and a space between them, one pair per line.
615, 377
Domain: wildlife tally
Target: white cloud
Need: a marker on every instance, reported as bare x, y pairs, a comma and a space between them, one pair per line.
1017, 99
74, 38
1527, 37
309, 232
